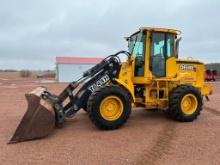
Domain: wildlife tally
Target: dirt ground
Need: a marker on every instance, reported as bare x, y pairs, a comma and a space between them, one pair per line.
147, 137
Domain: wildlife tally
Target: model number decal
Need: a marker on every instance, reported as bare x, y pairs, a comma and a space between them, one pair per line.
99, 83
187, 67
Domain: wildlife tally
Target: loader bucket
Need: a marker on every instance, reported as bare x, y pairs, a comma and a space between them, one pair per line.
38, 121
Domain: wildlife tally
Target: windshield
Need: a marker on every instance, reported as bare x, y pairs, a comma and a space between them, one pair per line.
136, 44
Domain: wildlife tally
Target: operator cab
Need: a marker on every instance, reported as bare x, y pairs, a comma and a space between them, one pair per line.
152, 49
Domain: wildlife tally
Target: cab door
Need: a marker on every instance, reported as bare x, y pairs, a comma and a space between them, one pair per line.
162, 54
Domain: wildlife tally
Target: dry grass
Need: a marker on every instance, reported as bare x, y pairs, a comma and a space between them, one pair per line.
33, 74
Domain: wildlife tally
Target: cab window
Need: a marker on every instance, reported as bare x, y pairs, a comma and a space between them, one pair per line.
162, 47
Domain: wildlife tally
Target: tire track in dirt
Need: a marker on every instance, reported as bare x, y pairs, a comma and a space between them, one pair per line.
213, 111
161, 147
163, 143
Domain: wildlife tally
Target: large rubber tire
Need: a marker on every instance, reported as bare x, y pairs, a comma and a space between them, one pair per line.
85, 107
95, 101
177, 95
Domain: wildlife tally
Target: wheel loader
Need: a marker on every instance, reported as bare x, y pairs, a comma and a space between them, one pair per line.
152, 77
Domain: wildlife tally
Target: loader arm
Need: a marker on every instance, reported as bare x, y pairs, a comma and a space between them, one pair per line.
77, 93
46, 110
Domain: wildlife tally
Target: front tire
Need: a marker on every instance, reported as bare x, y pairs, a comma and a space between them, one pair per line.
185, 103
109, 107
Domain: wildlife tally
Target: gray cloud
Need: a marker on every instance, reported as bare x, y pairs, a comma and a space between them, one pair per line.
33, 33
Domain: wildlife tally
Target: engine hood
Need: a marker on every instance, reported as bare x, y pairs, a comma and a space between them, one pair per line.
188, 61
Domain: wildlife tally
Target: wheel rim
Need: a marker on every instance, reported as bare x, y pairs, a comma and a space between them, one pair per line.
189, 104
111, 108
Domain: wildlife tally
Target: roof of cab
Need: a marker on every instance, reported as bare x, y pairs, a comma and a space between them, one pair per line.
158, 30
161, 30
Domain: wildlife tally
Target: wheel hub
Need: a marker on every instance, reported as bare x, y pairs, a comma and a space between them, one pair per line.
189, 104
111, 108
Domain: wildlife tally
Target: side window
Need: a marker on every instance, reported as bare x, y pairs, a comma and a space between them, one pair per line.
158, 54
158, 44
170, 45
162, 47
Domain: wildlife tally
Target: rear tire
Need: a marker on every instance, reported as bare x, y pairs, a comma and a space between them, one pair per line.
185, 103
109, 107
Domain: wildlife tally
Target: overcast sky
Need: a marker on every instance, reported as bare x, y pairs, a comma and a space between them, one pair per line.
34, 32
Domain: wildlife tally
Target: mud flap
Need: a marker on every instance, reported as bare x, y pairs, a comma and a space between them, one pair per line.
38, 121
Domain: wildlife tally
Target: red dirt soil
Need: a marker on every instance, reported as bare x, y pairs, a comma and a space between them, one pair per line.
147, 137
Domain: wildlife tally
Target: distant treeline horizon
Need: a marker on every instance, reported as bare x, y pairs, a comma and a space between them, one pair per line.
31, 70
210, 66
213, 66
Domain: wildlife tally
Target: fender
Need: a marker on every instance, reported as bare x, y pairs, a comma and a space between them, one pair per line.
126, 86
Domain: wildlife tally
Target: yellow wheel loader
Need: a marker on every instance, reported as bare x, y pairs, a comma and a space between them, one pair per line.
153, 77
